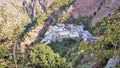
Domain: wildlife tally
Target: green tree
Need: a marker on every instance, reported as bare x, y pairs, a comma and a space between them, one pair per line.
42, 56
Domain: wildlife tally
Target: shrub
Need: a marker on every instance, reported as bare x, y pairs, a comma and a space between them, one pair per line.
41, 56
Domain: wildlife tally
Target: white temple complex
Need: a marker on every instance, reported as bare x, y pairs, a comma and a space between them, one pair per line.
62, 31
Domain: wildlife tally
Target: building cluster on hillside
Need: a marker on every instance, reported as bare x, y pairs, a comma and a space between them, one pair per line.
63, 31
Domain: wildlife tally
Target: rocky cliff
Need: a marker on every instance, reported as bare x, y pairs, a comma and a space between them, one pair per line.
98, 9
34, 7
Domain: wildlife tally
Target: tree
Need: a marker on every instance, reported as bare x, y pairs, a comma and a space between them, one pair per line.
41, 56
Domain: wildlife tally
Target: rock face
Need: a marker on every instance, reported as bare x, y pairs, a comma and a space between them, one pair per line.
85, 7
31, 7
34, 7
61, 31
98, 9
107, 7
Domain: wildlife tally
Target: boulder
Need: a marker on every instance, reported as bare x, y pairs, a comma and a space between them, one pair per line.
112, 62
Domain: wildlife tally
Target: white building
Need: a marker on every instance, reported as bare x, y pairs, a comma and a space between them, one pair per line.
61, 31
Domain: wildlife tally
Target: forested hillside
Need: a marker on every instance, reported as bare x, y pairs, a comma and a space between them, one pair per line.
59, 33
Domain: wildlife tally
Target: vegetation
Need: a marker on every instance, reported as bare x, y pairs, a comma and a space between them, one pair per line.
10, 29
107, 46
68, 49
62, 4
66, 54
42, 56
